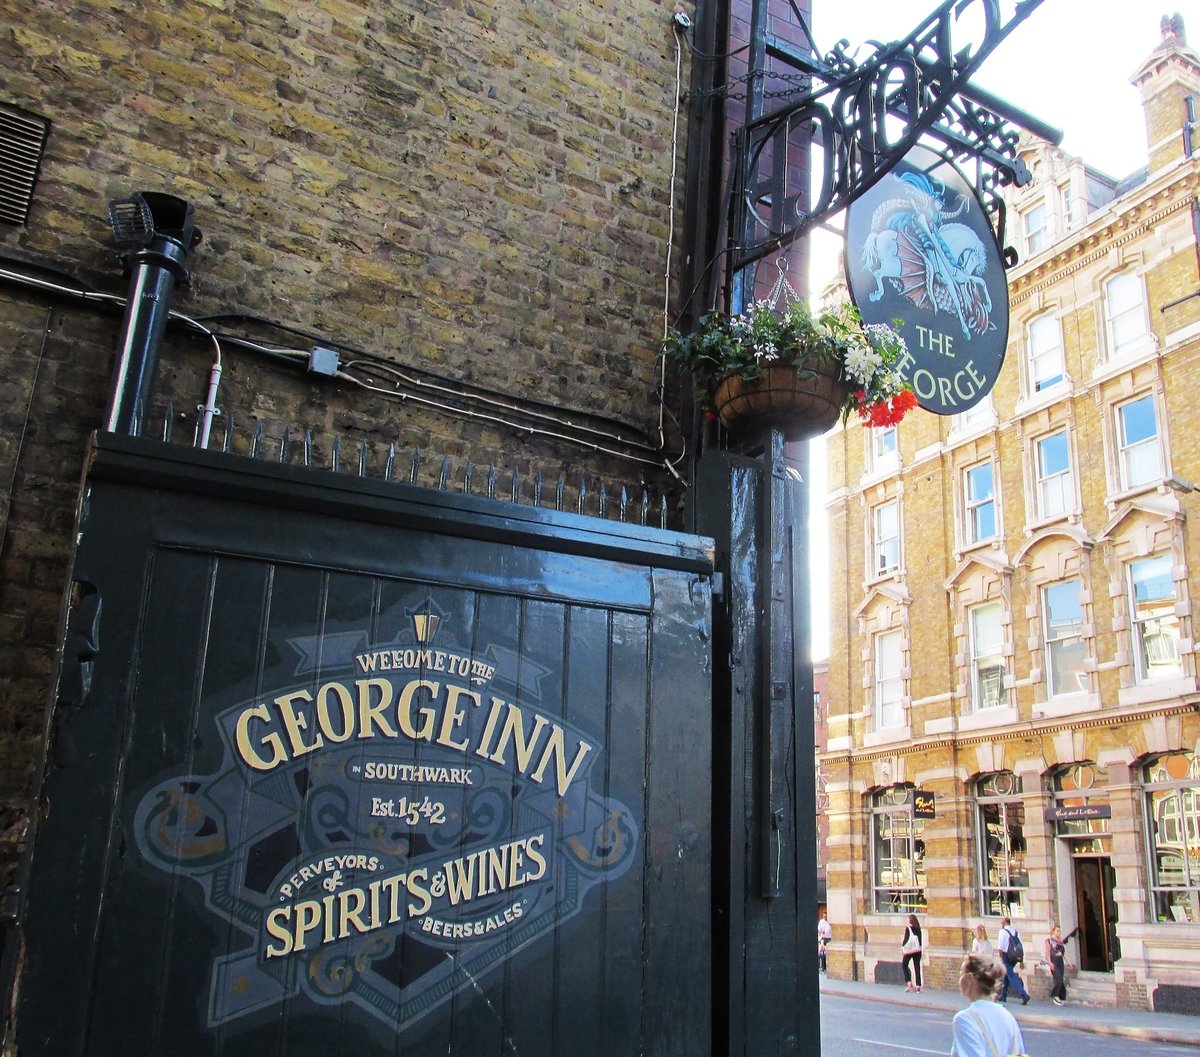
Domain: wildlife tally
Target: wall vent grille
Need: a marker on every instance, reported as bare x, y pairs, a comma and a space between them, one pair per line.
22, 143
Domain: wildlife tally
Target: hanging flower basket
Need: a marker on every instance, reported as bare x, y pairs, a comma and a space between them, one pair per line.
795, 369
801, 402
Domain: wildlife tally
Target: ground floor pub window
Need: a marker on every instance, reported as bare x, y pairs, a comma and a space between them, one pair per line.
1173, 831
1004, 879
898, 852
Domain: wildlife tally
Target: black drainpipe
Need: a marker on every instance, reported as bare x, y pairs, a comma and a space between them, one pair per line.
159, 230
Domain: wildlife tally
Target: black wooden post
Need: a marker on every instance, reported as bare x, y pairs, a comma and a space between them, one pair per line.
766, 995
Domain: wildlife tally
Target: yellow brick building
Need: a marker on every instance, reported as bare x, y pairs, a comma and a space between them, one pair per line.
1012, 602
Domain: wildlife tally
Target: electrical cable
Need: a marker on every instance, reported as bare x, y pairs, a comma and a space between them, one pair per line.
387, 369
586, 437
374, 357
495, 419
662, 373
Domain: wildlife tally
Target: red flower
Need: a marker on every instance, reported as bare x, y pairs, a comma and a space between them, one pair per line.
886, 412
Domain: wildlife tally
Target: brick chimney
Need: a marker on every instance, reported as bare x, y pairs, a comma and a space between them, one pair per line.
1169, 81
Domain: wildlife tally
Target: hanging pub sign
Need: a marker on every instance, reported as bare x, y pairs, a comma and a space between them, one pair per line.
921, 255
923, 804
390, 826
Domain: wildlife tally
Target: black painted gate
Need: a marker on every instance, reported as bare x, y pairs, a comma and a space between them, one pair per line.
340, 767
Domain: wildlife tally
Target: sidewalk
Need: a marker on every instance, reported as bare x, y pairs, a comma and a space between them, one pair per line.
1129, 1023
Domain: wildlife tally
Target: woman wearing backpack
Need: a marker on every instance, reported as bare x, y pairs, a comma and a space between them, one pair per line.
910, 949
985, 1028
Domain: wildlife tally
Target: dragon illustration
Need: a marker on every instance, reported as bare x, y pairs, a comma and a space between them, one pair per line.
936, 265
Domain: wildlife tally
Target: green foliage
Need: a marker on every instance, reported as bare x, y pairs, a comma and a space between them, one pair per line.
871, 356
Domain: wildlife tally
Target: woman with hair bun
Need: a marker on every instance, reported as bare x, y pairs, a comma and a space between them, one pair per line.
985, 1028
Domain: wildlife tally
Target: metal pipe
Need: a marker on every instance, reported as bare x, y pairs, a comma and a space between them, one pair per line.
156, 269
209, 408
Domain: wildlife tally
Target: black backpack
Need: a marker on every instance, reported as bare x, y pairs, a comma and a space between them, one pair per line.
1016, 949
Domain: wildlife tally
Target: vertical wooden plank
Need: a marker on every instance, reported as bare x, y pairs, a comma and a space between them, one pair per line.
532, 978
579, 943
149, 916
622, 985
676, 986
73, 849
804, 813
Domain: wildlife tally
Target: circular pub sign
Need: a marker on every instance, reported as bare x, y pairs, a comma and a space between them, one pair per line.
922, 256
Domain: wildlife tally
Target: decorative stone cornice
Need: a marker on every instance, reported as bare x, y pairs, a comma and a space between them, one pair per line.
1134, 220
1020, 732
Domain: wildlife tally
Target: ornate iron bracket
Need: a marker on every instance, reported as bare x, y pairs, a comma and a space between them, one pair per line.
866, 116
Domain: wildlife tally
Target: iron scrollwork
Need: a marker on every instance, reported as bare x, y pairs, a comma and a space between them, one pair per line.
865, 116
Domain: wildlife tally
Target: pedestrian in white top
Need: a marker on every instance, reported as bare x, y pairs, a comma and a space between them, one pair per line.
981, 944
824, 935
984, 1028
1011, 950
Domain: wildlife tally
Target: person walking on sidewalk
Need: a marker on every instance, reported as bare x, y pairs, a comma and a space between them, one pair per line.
1056, 955
983, 1029
1012, 954
910, 948
981, 944
824, 935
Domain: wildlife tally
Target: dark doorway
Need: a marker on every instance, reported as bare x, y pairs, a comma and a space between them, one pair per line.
1094, 880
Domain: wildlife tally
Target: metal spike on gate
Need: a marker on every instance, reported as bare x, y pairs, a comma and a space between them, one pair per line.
227, 441
285, 444
645, 507
416, 465
468, 477
168, 423
602, 502
445, 473
256, 441
558, 492
624, 507
537, 489
582, 496
336, 453
516, 485
362, 459
308, 448
662, 511
491, 481
391, 459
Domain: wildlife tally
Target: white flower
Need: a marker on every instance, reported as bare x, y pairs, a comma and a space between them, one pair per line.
862, 362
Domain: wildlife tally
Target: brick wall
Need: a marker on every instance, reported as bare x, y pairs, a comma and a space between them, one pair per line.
479, 188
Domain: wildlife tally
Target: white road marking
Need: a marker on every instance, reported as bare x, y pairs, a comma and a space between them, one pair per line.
897, 1046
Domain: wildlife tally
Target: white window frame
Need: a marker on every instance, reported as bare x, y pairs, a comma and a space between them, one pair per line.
1003, 878
1037, 238
1055, 488
1045, 354
976, 413
1123, 312
885, 549
1056, 644
1151, 626
897, 853
1139, 462
1172, 827
885, 446
889, 680
1070, 207
973, 504
988, 666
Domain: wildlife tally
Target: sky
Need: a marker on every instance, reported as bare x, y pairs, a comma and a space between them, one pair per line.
1069, 65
